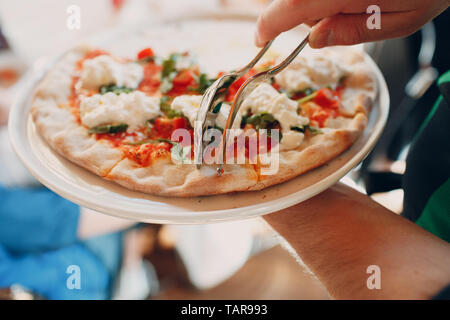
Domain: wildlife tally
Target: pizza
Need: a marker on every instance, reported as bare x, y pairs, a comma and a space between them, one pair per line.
116, 117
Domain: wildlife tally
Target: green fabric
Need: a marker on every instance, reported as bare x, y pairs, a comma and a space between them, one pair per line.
428, 118
436, 216
444, 78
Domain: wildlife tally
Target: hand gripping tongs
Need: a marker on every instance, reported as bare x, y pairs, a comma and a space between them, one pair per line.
216, 94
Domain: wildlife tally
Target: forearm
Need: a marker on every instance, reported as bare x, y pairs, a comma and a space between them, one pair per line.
341, 232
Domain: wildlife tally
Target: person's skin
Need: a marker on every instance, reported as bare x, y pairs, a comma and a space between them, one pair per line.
340, 232
343, 22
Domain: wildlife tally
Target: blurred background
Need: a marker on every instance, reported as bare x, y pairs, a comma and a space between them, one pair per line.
41, 234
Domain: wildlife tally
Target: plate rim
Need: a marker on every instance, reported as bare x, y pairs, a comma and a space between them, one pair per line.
42, 173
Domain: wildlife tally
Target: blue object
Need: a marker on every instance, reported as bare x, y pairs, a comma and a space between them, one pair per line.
38, 243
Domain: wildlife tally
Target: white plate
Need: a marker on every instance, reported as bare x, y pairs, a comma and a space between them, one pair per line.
86, 189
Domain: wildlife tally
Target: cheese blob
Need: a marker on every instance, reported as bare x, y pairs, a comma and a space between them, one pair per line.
291, 140
188, 105
312, 71
133, 109
105, 70
266, 99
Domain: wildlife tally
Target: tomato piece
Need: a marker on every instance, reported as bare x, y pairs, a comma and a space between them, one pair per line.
320, 116
164, 127
146, 53
180, 123
276, 86
150, 83
233, 89
118, 4
182, 83
326, 98
183, 78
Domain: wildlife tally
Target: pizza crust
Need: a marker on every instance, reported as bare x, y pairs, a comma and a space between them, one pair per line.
168, 179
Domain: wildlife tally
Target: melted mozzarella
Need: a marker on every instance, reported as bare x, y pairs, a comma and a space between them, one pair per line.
291, 140
266, 99
313, 71
188, 105
104, 70
134, 109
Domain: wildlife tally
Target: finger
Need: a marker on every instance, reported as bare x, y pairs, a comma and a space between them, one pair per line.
282, 15
352, 29
311, 23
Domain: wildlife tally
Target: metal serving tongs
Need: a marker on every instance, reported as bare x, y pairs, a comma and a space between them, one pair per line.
214, 95
217, 92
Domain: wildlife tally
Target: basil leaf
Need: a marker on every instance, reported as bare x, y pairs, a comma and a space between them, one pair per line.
262, 121
244, 120
203, 83
314, 130
298, 129
217, 107
169, 65
174, 114
115, 89
307, 98
164, 104
150, 141
109, 128
169, 72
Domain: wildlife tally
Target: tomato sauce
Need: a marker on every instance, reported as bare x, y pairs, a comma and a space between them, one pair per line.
162, 129
151, 81
144, 155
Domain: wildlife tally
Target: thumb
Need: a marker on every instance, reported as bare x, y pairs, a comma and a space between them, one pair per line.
349, 29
